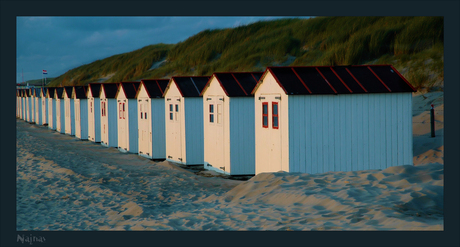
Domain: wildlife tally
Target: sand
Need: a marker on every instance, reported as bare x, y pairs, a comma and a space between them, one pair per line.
67, 184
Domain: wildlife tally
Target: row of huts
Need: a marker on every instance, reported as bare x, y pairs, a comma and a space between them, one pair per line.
309, 119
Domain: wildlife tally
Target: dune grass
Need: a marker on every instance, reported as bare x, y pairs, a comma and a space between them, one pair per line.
413, 45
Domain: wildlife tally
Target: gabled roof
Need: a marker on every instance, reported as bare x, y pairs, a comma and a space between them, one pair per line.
50, 91
236, 84
68, 91
339, 79
154, 87
130, 89
80, 92
94, 89
59, 92
110, 89
36, 92
189, 86
44, 91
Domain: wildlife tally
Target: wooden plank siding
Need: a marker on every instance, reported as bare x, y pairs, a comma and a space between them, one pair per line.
349, 136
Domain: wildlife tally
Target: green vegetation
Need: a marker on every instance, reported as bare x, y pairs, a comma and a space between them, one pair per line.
37, 82
414, 45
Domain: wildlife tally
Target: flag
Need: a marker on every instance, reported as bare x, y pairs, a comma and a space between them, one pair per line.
44, 72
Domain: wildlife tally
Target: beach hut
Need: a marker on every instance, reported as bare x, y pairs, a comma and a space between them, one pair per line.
81, 111
184, 119
69, 111
94, 112
18, 103
50, 92
32, 104
60, 110
28, 105
151, 118
109, 123
127, 117
228, 118
38, 105
318, 119
44, 106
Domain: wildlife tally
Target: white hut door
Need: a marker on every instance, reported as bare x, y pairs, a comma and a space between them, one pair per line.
122, 123
216, 126
145, 139
77, 118
272, 131
174, 121
91, 119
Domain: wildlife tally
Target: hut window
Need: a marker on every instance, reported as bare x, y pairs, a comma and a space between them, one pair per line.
265, 114
91, 107
120, 112
123, 110
140, 109
211, 113
171, 112
275, 115
219, 113
177, 111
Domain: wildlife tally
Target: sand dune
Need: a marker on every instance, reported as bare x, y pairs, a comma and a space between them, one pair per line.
67, 184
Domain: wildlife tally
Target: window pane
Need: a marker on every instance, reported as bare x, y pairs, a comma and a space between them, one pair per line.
211, 108
142, 115
219, 108
170, 107
275, 109
275, 122
170, 116
265, 118
211, 118
177, 108
265, 109
146, 115
219, 117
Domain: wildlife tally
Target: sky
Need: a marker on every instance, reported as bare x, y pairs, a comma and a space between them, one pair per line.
58, 44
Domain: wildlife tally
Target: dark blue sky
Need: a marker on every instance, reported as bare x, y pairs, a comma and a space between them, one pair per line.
58, 44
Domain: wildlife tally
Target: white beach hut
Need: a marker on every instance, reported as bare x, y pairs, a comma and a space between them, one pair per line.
81, 111
94, 112
228, 108
109, 123
332, 118
44, 106
184, 119
38, 105
69, 111
32, 104
151, 118
18, 103
60, 110
28, 105
23, 104
50, 92
127, 117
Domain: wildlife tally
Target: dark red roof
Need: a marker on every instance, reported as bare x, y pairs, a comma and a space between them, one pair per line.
237, 83
110, 89
95, 89
190, 86
68, 91
155, 87
59, 91
50, 91
130, 89
340, 79
80, 92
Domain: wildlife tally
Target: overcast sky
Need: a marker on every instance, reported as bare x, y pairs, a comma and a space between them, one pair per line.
58, 44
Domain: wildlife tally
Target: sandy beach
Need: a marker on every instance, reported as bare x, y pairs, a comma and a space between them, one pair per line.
64, 183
